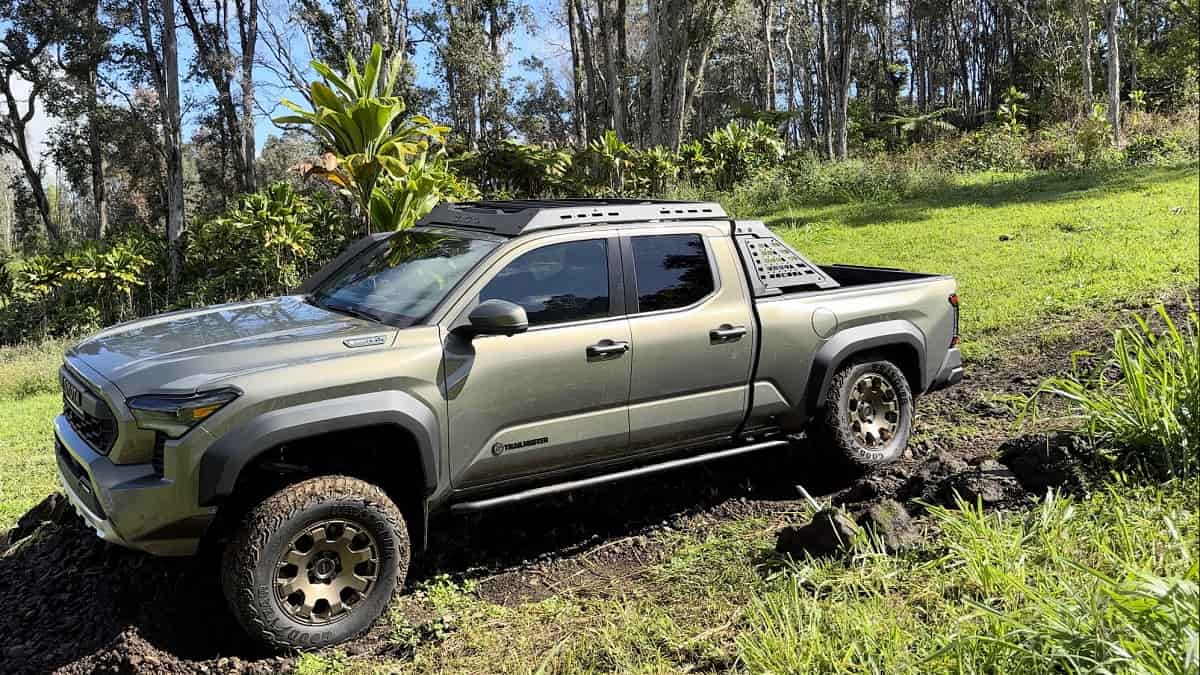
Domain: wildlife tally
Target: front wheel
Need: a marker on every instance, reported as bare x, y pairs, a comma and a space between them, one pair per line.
316, 563
868, 413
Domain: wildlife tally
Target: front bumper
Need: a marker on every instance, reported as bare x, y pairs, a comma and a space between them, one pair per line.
951, 372
129, 505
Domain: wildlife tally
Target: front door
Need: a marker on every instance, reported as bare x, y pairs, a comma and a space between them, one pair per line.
693, 341
557, 395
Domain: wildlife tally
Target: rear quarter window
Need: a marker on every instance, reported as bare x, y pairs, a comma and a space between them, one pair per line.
671, 271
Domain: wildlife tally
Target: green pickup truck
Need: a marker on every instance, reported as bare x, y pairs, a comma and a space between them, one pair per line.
496, 352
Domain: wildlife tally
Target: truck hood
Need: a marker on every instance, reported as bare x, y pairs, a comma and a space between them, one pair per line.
182, 352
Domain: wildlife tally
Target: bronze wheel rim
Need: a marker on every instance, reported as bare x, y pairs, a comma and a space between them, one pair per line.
326, 572
873, 411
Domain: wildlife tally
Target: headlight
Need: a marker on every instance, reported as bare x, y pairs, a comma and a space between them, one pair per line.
175, 415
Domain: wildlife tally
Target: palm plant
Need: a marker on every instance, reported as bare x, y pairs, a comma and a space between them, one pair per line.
918, 126
613, 154
1011, 111
360, 120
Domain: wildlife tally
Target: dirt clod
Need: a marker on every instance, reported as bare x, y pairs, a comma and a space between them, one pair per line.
989, 484
1040, 462
831, 532
889, 521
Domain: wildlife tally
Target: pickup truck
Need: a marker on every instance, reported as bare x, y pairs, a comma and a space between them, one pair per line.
495, 352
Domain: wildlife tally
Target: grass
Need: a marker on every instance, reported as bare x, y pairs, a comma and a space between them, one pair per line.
1145, 400
1067, 587
28, 402
1023, 247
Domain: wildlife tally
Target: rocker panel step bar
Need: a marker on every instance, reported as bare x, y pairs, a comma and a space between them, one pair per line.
567, 486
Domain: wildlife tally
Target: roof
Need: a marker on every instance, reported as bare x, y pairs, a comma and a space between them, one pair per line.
511, 218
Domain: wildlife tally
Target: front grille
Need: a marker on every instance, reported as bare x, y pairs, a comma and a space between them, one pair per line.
98, 428
77, 478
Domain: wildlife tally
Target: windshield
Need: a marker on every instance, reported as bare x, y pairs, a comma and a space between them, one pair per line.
400, 281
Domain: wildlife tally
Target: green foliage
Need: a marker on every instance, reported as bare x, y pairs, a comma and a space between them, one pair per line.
1012, 111
922, 125
737, 151
280, 236
385, 163
1143, 402
518, 170
67, 291
612, 155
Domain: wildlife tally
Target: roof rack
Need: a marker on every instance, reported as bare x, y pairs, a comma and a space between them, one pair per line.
511, 218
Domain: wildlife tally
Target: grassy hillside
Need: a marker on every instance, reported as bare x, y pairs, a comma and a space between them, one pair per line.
1023, 247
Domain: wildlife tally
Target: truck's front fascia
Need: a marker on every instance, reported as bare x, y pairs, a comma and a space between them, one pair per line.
124, 493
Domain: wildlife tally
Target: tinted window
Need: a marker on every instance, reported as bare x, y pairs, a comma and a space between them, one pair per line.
402, 279
556, 283
672, 271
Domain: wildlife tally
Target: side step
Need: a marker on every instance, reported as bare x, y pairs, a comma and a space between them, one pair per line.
534, 493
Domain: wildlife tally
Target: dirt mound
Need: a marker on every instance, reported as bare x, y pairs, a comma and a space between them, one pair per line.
1063, 461
81, 605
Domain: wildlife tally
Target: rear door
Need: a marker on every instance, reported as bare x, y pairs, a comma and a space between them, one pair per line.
555, 396
693, 338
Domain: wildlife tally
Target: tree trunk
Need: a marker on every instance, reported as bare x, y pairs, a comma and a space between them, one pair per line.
766, 11
578, 79
792, 136
616, 106
248, 34
18, 123
96, 150
1112, 18
826, 92
172, 138
1083, 8
654, 62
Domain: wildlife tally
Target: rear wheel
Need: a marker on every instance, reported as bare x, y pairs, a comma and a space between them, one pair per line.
868, 413
316, 563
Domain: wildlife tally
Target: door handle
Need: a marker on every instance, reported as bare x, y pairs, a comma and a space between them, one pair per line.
607, 348
726, 333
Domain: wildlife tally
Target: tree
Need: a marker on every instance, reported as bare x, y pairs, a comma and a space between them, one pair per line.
1083, 9
1112, 16
32, 27
159, 56
210, 28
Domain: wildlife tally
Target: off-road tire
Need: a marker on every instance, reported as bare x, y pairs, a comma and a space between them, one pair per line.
837, 433
252, 557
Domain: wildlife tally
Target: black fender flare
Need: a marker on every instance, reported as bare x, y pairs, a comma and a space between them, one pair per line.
225, 459
846, 343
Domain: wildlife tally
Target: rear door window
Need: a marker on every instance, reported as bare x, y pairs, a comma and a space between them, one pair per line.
672, 271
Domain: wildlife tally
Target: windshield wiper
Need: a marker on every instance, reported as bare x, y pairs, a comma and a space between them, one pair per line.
353, 310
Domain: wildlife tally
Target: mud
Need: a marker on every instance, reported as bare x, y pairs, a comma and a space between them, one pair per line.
77, 605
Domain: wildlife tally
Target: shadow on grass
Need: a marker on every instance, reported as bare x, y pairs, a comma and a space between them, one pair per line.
1031, 188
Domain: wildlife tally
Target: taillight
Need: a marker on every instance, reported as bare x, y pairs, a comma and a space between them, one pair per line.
954, 303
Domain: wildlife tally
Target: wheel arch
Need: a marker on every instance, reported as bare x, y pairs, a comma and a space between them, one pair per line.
898, 341
413, 424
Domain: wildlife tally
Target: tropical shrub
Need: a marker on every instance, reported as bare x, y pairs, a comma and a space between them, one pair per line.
375, 154
280, 237
518, 170
66, 292
737, 151
1143, 403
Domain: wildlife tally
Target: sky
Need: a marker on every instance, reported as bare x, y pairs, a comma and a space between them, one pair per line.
545, 39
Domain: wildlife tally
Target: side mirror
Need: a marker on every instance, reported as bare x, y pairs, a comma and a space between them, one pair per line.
495, 317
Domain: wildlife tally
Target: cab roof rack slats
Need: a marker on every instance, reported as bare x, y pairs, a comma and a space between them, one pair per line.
512, 218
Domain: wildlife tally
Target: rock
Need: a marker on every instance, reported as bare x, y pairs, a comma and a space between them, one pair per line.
1061, 461
890, 522
830, 533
